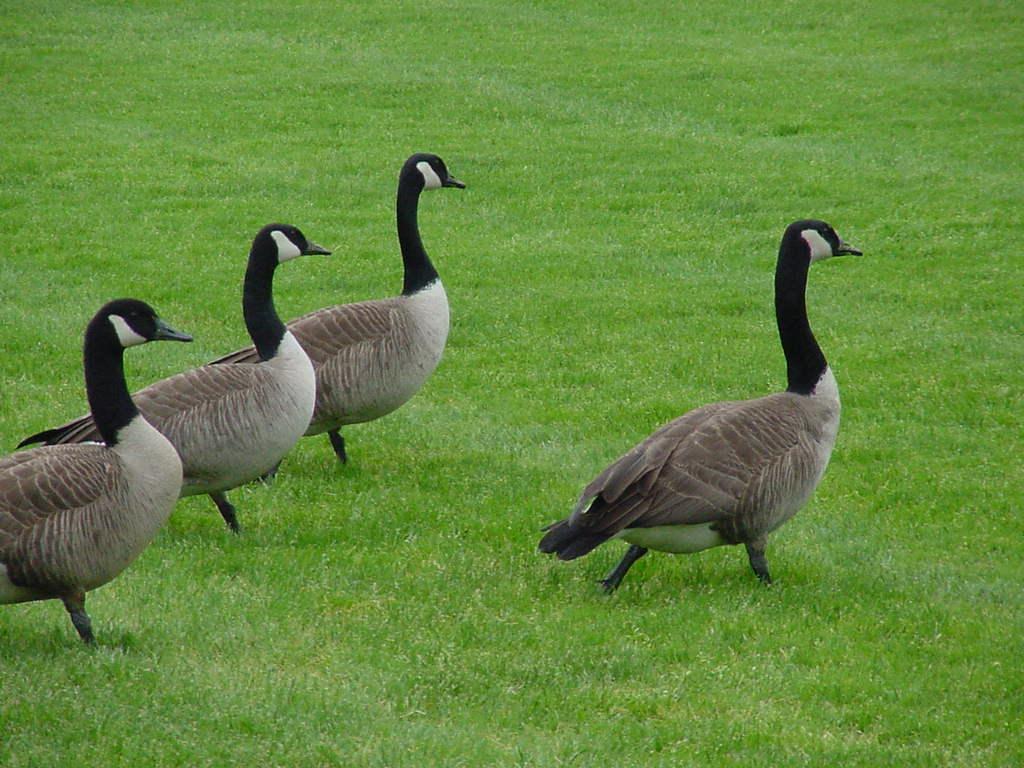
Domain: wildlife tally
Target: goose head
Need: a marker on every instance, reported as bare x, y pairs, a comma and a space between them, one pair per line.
282, 242
135, 322
429, 172
819, 238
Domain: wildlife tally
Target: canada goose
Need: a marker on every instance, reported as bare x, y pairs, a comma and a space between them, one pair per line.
232, 424
73, 517
370, 357
730, 472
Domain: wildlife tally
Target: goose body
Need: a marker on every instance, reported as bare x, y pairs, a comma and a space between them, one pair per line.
371, 357
729, 472
80, 514
72, 517
381, 354
232, 424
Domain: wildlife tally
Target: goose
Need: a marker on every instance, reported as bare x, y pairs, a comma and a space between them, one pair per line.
72, 517
232, 424
370, 357
729, 472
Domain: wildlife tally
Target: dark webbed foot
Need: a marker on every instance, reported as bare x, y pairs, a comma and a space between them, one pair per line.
75, 605
612, 580
758, 562
338, 444
227, 511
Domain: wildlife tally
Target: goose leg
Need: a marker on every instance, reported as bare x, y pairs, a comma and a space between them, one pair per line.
227, 510
338, 444
268, 477
759, 563
75, 605
613, 579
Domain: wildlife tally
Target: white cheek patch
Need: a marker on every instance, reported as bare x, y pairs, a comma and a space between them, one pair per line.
127, 336
430, 178
820, 248
286, 249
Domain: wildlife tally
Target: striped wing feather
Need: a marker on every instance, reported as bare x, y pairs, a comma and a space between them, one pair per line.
706, 466
326, 332
44, 492
208, 394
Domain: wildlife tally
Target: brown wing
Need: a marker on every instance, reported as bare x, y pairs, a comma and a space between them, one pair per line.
696, 469
206, 393
325, 332
42, 491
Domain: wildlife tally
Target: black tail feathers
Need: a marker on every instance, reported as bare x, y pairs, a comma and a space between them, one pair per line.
569, 542
45, 437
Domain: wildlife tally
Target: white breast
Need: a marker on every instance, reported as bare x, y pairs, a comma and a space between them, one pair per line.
151, 463
152, 471
294, 366
826, 394
827, 387
430, 317
407, 363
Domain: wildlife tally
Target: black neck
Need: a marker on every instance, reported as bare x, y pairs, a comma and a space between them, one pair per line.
805, 362
419, 272
111, 404
261, 319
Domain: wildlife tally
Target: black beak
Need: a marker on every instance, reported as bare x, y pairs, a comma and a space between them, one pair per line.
164, 332
846, 248
314, 249
451, 181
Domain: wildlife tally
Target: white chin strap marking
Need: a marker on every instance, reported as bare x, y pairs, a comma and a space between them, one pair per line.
820, 248
430, 178
125, 334
286, 249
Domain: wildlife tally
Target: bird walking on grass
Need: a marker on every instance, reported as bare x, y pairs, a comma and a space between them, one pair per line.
72, 517
232, 424
372, 356
729, 472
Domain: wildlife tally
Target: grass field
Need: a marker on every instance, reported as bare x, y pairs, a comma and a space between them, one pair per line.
630, 169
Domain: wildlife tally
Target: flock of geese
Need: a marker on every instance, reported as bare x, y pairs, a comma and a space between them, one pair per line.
76, 511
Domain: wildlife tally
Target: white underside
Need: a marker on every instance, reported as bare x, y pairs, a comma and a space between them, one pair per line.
677, 539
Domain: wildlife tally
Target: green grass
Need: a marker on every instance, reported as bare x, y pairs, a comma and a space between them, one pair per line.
630, 169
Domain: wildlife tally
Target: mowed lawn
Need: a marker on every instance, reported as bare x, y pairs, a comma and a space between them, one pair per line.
630, 169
